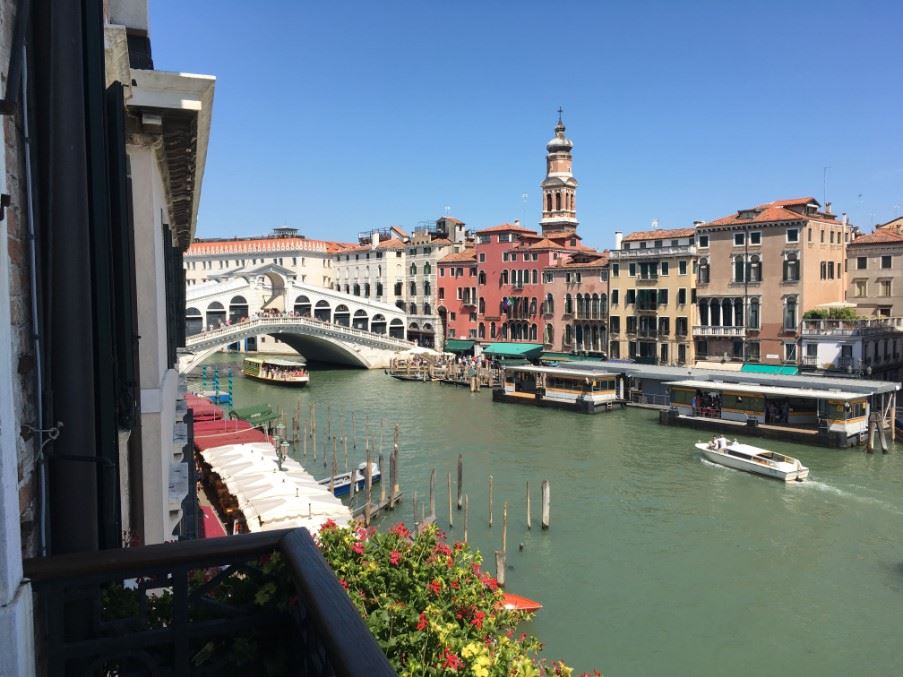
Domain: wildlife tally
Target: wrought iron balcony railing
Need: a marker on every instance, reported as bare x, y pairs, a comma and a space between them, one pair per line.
196, 607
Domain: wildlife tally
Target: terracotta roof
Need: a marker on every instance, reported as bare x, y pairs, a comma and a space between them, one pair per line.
774, 211
441, 242
585, 259
393, 243
880, 236
466, 256
452, 219
256, 244
660, 234
507, 228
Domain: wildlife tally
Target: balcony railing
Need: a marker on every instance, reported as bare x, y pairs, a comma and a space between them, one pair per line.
200, 606
708, 330
878, 325
814, 362
679, 250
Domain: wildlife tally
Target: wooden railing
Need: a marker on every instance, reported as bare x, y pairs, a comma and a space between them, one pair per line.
315, 628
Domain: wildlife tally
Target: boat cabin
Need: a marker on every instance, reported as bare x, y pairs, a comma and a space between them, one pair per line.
579, 389
827, 411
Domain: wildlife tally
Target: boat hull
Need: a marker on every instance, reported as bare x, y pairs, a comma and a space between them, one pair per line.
299, 382
757, 468
342, 486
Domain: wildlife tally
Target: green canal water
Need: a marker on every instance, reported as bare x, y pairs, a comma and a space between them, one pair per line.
656, 562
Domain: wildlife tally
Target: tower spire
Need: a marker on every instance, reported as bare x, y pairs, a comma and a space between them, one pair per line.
559, 188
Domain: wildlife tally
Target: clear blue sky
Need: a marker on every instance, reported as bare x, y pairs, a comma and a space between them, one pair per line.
337, 116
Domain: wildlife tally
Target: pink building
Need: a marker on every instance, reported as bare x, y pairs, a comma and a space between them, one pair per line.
575, 305
457, 294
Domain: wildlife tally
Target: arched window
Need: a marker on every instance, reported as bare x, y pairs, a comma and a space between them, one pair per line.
342, 315
791, 267
322, 311
532, 332
398, 289
581, 311
356, 290
492, 330
396, 328
413, 289
558, 201
481, 278
427, 309
412, 309
413, 269
481, 332
549, 335
379, 289
481, 305
378, 324
755, 268
533, 306
548, 202
302, 306
753, 313
400, 305
238, 309
549, 304
367, 290
360, 320
194, 322
703, 271
427, 288
568, 304
790, 313
427, 268
568, 335
534, 276
504, 277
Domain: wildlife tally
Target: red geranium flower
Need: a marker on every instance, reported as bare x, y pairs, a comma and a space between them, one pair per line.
400, 530
478, 618
394, 558
343, 583
435, 587
358, 548
328, 524
452, 662
421, 624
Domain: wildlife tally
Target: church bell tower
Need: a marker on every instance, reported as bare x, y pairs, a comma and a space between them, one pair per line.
559, 188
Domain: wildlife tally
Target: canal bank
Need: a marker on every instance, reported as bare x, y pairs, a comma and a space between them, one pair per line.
656, 562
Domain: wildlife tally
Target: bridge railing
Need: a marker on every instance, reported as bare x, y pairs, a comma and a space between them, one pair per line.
292, 320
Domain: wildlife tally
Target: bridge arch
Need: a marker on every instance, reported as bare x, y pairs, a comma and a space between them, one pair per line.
302, 306
360, 320
238, 309
341, 315
194, 321
216, 314
396, 328
378, 324
323, 311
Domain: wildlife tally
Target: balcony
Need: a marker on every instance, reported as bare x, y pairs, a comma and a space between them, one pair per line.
707, 330
878, 325
646, 279
211, 605
628, 254
838, 364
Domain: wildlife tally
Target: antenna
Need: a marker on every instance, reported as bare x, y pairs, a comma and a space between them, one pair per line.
654, 224
447, 209
824, 197
523, 207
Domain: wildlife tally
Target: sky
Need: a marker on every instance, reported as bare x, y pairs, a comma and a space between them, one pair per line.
337, 117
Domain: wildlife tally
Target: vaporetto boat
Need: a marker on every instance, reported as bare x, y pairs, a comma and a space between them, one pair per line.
753, 459
272, 370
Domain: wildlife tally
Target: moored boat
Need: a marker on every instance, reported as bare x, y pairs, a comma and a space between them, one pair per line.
273, 370
514, 602
341, 483
752, 459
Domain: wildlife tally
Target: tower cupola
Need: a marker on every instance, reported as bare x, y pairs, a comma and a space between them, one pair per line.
559, 188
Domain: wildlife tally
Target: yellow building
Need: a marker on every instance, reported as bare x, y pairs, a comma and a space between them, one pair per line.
652, 293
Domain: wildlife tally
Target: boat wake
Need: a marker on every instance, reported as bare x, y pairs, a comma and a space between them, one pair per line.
815, 485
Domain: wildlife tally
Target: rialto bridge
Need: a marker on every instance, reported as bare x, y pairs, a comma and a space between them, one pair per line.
322, 324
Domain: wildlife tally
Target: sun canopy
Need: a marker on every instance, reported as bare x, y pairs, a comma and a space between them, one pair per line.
524, 351
769, 369
768, 391
458, 345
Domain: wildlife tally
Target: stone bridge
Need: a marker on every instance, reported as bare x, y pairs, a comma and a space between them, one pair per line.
321, 324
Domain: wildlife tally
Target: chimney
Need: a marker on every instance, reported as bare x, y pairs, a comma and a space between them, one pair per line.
843, 218
828, 208
374, 239
516, 222
619, 237
696, 224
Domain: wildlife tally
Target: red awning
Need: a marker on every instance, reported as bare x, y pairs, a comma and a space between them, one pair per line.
223, 425
210, 525
219, 439
202, 408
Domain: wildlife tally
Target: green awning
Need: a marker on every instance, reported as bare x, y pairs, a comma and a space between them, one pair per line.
524, 351
769, 369
256, 414
458, 345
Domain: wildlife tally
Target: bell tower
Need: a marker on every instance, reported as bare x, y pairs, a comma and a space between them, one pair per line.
559, 188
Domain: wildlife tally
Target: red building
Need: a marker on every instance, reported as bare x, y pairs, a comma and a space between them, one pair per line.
457, 294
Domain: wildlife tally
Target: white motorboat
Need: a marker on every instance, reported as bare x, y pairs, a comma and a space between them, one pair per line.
341, 483
753, 459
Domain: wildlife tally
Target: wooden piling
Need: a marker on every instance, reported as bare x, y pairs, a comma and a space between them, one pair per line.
304, 440
353, 433
490, 501
500, 568
529, 511
395, 488
465, 517
334, 467
505, 527
347, 461
451, 514
414, 507
382, 484
460, 481
369, 475
433, 493
545, 504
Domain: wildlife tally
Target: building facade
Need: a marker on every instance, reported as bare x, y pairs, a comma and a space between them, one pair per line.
575, 304
651, 295
758, 271
864, 347
457, 295
874, 268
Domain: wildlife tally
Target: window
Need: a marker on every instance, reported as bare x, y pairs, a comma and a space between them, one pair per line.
413, 269
631, 297
790, 313
451, 317
615, 269
793, 235
752, 351
790, 352
631, 270
664, 268
791, 267
682, 267
755, 238
441, 293
615, 296
739, 239
702, 273
682, 326
884, 287
662, 297
482, 257
427, 268
681, 297
703, 241
862, 263
886, 261
753, 318
547, 277
615, 324
631, 324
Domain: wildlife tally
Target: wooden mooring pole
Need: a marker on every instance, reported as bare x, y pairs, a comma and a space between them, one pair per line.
460, 481
369, 475
382, 485
334, 466
465, 518
393, 499
451, 514
490, 501
545, 504
433, 494
529, 511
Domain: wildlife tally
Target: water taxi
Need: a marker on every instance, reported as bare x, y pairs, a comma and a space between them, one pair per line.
273, 370
341, 483
753, 459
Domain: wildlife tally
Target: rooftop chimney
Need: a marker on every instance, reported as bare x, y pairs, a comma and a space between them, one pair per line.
516, 222
619, 236
374, 239
828, 208
696, 224
843, 218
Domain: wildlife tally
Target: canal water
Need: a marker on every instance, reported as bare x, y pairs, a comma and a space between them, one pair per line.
657, 562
